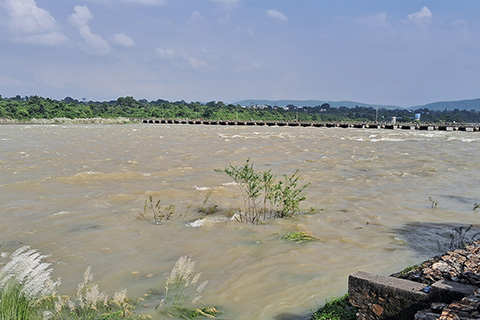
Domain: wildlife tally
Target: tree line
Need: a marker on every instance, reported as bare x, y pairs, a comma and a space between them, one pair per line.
35, 107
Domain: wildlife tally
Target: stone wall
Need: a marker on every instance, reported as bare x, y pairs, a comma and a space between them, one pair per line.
380, 297
445, 287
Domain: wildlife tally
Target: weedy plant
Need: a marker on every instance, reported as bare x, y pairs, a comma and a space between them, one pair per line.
433, 203
181, 290
155, 212
461, 237
264, 196
208, 209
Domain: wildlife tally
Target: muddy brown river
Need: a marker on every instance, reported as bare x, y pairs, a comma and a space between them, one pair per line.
74, 192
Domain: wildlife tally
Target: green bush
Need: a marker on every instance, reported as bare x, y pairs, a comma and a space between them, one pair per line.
264, 197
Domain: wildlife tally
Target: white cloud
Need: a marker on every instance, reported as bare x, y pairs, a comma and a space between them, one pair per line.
227, 3
248, 31
95, 43
32, 24
50, 39
27, 17
420, 17
123, 40
181, 60
277, 15
9, 81
155, 3
166, 54
196, 16
197, 64
81, 17
147, 2
375, 20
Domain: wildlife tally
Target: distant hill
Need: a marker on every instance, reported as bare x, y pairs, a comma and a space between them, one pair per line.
451, 105
311, 103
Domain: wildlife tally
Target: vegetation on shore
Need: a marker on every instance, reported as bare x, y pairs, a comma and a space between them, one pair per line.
35, 107
336, 309
27, 292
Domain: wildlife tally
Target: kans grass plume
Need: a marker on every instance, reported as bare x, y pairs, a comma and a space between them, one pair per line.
25, 283
27, 269
179, 286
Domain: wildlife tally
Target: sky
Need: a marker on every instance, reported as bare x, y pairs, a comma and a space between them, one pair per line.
396, 52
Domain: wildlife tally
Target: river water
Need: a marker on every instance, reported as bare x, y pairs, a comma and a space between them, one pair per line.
386, 199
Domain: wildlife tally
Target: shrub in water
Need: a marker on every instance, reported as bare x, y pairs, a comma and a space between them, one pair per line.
280, 199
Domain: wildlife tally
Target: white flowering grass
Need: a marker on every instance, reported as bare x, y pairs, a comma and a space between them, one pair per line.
180, 285
91, 303
27, 292
25, 283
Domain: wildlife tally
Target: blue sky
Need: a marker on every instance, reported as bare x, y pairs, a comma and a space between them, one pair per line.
397, 52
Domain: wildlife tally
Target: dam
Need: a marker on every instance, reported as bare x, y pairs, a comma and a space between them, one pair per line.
359, 125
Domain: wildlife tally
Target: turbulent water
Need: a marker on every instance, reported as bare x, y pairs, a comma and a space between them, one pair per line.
385, 199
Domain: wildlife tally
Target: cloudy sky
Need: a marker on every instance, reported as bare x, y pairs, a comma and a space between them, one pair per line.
399, 52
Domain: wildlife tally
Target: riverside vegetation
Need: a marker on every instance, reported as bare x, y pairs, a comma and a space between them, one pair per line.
27, 291
35, 107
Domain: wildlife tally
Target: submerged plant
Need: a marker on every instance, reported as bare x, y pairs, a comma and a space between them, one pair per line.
433, 203
290, 195
155, 212
210, 209
249, 182
300, 237
264, 197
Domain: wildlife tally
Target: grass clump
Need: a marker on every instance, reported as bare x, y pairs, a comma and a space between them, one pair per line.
336, 309
27, 292
181, 289
25, 285
407, 270
263, 195
300, 237
90, 303
155, 212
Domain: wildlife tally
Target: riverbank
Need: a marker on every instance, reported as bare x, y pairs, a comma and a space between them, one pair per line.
119, 120
461, 266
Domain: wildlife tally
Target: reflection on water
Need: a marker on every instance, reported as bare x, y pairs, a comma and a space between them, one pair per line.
75, 191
